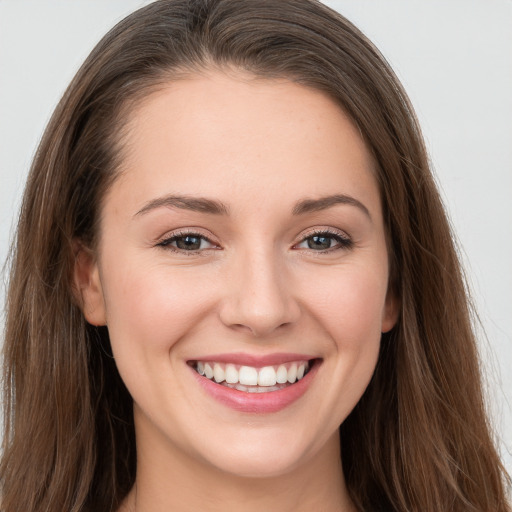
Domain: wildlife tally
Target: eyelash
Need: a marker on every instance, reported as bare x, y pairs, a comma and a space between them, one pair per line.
342, 240
166, 243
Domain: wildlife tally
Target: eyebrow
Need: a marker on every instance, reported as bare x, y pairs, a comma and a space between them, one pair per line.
322, 203
211, 206
195, 204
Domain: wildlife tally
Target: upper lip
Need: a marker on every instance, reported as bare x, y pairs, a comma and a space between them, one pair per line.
256, 361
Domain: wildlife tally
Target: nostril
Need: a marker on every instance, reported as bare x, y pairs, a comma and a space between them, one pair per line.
259, 330
241, 328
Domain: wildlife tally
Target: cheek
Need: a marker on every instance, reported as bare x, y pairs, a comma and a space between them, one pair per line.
151, 310
152, 307
350, 304
350, 310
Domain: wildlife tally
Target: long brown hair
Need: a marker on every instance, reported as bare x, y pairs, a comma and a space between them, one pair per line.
418, 440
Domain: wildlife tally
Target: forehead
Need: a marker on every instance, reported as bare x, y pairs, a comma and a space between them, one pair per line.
230, 135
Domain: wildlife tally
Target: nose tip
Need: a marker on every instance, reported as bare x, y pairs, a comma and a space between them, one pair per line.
259, 301
260, 322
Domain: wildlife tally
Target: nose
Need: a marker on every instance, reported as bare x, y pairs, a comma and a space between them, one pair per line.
259, 295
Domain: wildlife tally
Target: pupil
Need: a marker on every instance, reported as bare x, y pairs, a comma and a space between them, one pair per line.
190, 243
319, 242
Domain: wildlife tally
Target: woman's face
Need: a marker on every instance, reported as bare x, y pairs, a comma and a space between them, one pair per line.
243, 240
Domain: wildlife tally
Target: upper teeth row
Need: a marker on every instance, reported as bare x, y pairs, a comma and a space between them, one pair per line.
250, 376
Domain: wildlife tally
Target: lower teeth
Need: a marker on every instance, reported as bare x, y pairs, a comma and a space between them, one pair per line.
255, 389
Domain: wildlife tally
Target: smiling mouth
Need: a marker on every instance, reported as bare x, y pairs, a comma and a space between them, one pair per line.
251, 379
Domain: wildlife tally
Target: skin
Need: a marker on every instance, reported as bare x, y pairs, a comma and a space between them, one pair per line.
259, 147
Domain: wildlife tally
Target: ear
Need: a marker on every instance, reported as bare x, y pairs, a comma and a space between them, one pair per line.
87, 290
391, 311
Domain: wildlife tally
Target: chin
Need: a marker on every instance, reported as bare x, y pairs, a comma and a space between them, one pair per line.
261, 467
261, 457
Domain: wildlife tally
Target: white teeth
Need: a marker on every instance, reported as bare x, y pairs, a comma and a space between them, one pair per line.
292, 373
231, 374
208, 371
218, 373
248, 376
282, 375
267, 376
253, 380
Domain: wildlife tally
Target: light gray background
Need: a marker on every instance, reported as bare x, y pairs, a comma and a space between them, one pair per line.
454, 58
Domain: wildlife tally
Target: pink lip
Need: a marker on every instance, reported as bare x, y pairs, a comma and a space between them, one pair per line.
271, 401
255, 360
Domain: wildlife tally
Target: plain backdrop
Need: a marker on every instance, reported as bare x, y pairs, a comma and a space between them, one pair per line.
454, 58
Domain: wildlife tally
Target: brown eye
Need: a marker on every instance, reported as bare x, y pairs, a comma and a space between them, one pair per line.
188, 243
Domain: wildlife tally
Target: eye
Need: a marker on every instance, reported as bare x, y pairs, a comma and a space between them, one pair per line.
187, 242
325, 241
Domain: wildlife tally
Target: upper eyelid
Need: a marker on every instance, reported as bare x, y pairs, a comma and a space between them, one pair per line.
185, 232
324, 231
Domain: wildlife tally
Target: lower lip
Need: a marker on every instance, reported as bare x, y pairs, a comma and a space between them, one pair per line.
271, 401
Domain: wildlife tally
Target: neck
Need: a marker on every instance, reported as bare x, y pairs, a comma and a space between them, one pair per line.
177, 481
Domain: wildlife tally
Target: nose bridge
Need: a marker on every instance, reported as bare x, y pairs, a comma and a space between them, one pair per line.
259, 297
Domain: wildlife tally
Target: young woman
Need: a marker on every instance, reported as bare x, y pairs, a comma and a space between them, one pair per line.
234, 284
